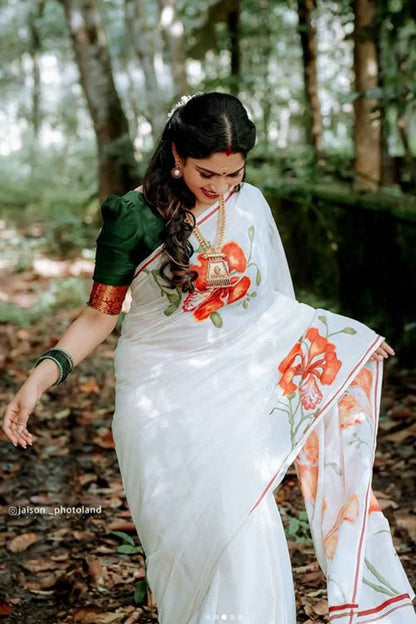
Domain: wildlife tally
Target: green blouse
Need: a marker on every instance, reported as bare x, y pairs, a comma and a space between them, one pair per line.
132, 229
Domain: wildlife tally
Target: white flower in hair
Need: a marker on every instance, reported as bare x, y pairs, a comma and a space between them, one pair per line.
184, 99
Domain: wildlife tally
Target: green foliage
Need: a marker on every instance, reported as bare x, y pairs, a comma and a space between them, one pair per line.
129, 548
297, 528
57, 213
67, 293
16, 315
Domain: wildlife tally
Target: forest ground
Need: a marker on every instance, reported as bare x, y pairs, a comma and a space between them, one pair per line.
65, 567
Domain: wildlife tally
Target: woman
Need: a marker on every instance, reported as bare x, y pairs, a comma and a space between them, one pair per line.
223, 380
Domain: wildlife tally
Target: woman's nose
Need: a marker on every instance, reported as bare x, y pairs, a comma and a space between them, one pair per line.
220, 187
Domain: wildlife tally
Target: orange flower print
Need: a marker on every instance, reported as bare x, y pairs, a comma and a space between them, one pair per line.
352, 509
330, 545
364, 379
202, 303
350, 411
374, 504
318, 363
347, 513
308, 467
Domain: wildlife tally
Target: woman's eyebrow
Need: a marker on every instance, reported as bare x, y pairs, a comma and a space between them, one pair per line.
208, 170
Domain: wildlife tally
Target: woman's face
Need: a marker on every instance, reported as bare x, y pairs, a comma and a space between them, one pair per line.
208, 178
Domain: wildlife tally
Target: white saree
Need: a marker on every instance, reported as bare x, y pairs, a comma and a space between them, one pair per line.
215, 399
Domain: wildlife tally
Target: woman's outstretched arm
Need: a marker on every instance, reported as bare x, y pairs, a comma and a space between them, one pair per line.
84, 334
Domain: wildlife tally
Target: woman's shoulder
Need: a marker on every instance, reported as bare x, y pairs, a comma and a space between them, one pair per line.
250, 190
121, 218
144, 208
134, 197
127, 209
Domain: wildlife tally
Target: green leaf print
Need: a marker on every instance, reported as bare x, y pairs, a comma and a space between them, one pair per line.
173, 295
216, 319
335, 467
170, 309
258, 277
380, 578
378, 588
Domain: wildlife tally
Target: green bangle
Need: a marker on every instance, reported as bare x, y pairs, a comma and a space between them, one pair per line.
68, 355
61, 370
62, 358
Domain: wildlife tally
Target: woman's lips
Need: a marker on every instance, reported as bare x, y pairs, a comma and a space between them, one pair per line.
210, 195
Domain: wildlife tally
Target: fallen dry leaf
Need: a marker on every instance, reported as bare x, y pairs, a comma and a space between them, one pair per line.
22, 542
408, 523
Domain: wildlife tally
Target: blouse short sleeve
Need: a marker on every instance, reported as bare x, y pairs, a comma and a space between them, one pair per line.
116, 254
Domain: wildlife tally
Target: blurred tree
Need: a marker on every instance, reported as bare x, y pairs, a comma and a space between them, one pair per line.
173, 31
313, 121
396, 48
35, 50
233, 21
117, 170
141, 33
367, 163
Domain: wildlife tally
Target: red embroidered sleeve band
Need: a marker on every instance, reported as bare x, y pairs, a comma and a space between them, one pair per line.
106, 298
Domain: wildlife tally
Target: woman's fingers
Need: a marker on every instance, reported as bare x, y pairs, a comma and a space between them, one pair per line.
383, 351
23, 434
14, 424
388, 348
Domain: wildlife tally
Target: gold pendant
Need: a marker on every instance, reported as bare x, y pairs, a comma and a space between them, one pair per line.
217, 275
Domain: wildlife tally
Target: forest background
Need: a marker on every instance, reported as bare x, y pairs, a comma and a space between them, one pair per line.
86, 87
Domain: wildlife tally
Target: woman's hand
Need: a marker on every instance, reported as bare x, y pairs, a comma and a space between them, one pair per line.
383, 351
18, 411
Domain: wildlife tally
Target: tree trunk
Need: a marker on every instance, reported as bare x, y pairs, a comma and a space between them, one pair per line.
234, 34
388, 169
117, 168
142, 38
307, 35
34, 50
204, 33
172, 27
367, 163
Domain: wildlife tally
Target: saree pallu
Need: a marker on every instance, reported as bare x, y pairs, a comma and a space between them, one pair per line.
215, 398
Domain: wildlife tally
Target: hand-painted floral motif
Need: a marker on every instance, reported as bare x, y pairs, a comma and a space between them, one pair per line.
314, 362
311, 363
364, 379
374, 504
203, 303
347, 513
350, 411
308, 468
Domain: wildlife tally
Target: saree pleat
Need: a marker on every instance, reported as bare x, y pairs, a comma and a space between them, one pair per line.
214, 402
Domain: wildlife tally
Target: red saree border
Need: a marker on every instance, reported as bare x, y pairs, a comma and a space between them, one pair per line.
157, 252
347, 605
385, 604
352, 609
365, 519
377, 341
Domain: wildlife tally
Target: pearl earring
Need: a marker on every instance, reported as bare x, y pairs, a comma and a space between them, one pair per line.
176, 172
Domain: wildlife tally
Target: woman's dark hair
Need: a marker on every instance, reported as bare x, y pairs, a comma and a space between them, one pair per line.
206, 123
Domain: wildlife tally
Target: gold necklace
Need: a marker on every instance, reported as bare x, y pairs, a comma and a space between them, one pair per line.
218, 273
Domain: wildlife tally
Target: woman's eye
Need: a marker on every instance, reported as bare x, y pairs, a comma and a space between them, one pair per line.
231, 175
